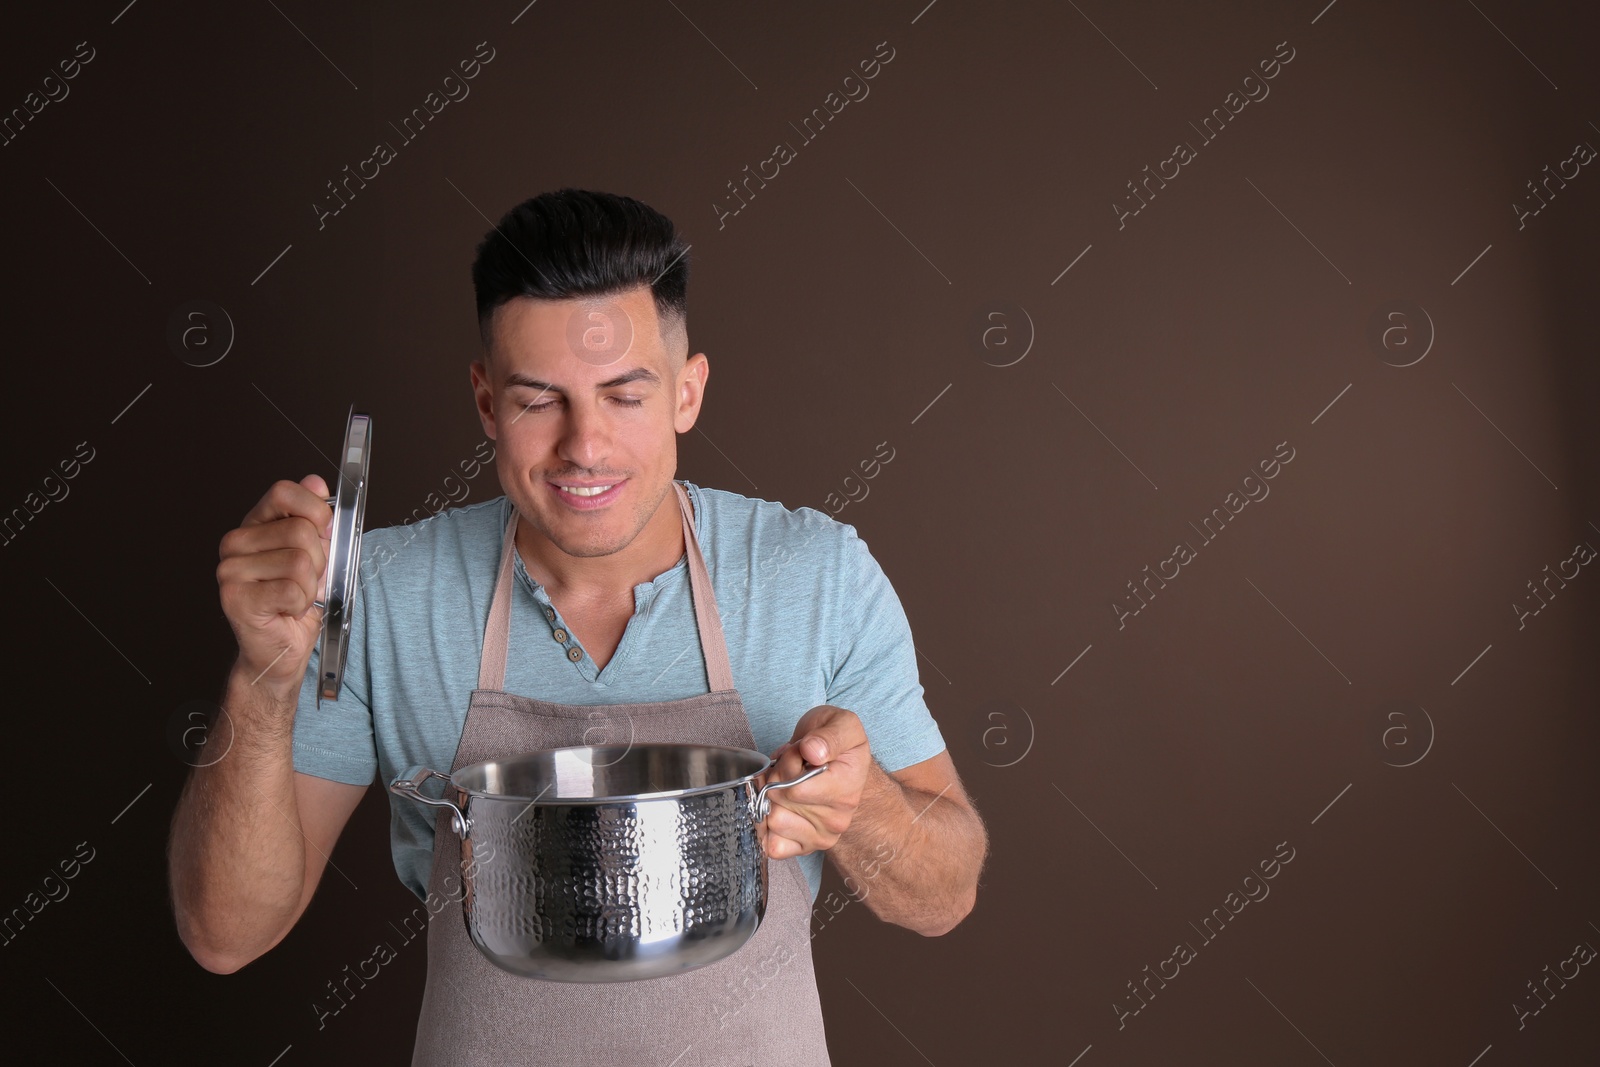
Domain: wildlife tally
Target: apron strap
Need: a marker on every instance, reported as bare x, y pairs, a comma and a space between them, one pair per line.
497, 631
719, 672
708, 621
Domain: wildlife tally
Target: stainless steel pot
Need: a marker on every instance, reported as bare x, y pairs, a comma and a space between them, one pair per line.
609, 863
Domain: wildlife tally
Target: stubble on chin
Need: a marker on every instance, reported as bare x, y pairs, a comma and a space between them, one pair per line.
599, 538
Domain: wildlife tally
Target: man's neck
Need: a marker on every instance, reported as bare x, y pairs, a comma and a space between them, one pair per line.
598, 579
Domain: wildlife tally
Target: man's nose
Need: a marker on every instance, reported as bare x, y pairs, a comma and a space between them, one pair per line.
587, 440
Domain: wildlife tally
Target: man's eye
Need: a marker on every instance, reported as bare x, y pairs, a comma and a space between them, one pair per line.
537, 405
629, 401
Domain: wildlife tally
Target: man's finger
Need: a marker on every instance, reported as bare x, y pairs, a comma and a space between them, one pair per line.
782, 848
834, 736
785, 821
306, 499
315, 483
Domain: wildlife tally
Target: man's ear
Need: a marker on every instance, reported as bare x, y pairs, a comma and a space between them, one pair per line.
691, 392
483, 395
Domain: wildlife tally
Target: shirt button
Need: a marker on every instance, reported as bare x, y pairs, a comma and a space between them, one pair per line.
550, 613
574, 654
560, 635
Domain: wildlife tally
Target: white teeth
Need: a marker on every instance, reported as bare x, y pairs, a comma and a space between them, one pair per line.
579, 491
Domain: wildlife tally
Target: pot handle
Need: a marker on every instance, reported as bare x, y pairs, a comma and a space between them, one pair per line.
410, 785
763, 805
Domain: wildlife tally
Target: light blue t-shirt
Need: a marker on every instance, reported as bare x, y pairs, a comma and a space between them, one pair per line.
809, 617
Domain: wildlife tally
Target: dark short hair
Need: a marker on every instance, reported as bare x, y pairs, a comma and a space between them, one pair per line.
574, 242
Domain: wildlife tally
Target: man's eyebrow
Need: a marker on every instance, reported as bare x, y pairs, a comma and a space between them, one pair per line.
637, 374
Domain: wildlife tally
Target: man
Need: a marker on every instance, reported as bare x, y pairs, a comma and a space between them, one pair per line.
594, 582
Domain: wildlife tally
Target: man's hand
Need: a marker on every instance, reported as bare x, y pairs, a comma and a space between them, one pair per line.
812, 815
272, 569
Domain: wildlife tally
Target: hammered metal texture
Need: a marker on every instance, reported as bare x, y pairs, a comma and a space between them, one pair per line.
614, 891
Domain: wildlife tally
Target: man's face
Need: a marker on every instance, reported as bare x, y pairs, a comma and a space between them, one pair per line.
583, 394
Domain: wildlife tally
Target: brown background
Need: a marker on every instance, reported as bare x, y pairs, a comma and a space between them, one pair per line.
1126, 796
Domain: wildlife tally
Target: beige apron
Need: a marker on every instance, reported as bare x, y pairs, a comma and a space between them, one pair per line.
757, 1006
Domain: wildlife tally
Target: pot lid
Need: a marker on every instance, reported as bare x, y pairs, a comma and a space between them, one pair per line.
349, 504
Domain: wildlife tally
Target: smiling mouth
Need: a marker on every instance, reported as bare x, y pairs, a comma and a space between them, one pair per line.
592, 496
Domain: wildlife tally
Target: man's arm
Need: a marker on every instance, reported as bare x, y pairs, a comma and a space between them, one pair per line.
915, 847
250, 835
912, 842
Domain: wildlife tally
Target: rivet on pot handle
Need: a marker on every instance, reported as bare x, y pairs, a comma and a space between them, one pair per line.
763, 805
410, 785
